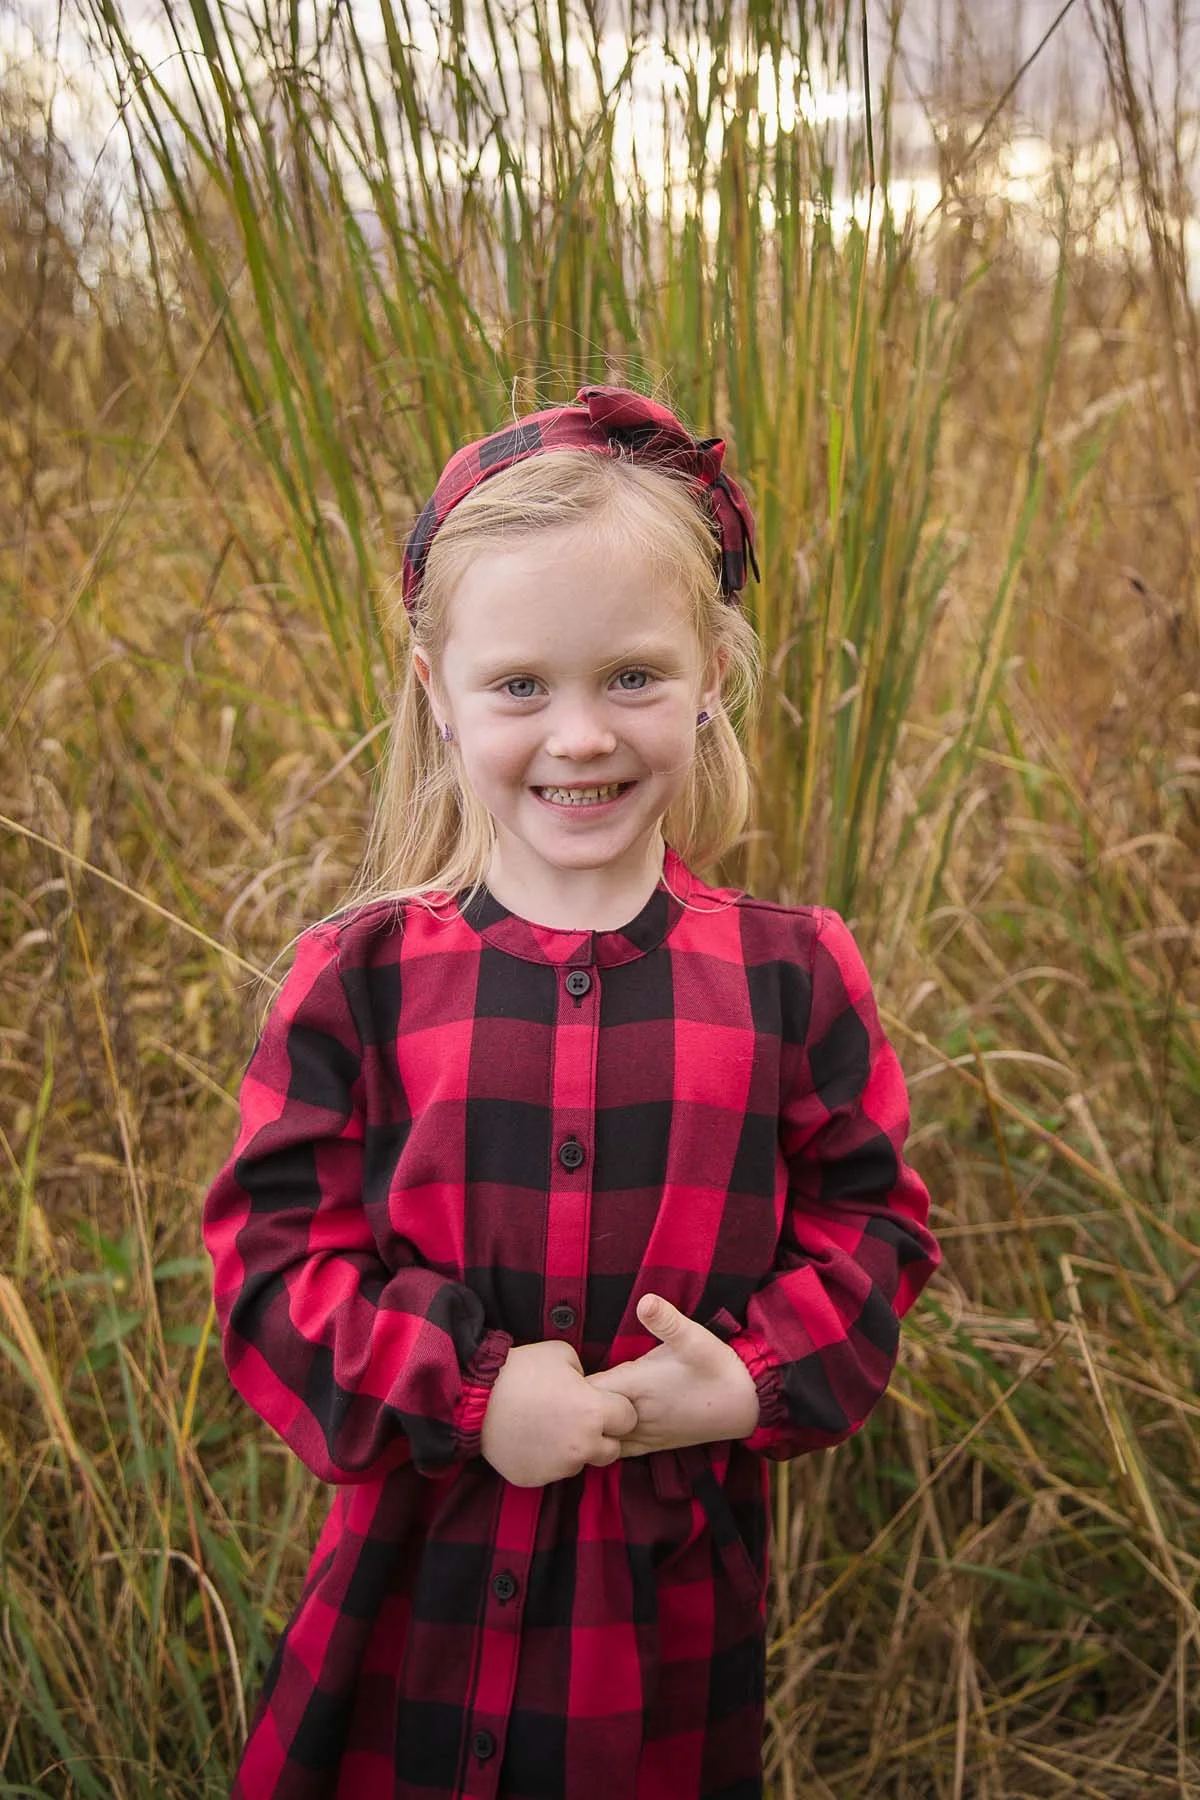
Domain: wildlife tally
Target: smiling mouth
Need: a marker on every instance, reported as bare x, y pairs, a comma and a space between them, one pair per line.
583, 796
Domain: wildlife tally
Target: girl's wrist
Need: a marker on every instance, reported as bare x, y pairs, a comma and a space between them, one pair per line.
738, 1406
744, 1407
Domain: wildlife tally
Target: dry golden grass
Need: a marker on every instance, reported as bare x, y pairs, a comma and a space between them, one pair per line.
990, 491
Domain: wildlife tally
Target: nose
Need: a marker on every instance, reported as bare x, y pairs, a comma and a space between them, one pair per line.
578, 730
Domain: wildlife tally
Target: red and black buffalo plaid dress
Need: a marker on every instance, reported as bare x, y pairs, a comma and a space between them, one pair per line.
462, 1131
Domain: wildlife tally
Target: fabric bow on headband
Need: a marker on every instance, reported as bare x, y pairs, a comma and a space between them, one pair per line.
612, 421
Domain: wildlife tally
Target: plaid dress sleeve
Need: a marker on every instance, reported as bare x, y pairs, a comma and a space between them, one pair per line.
822, 1333
359, 1366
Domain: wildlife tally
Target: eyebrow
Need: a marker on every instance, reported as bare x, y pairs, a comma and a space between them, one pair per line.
658, 654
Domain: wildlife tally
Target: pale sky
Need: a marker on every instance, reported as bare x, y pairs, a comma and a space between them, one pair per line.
1065, 84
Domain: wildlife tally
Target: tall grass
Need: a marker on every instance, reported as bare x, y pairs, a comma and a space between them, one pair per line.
979, 610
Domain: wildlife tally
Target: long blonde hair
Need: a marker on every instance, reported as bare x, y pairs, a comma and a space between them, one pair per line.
429, 832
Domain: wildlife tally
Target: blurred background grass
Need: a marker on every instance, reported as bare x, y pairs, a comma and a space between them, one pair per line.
971, 429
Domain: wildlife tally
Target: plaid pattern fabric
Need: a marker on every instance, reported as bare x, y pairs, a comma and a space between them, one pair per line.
459, 1131
611, 421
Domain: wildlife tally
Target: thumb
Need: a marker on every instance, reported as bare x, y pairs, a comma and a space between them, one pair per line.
667, 1323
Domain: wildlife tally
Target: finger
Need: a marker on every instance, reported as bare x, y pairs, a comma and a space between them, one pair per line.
613, 1381
618, 1416
666, 1321
607, 1451
632, 1446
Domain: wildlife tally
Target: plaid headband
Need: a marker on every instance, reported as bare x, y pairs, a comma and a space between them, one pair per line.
612, 421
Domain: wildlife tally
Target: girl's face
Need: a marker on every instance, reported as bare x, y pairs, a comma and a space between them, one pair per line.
572, 681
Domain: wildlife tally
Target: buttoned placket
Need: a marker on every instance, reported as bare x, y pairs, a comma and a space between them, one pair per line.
568, 1216
500, 1640
572, 1138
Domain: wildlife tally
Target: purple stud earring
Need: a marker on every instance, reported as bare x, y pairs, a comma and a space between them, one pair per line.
447, 735
702, 718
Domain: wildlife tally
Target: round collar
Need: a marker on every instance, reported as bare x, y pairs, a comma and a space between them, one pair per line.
507, 931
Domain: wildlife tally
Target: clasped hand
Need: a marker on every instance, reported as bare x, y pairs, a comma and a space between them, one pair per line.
547, 1420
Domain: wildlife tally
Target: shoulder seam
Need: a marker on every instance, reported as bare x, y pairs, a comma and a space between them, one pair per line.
328, 933
340, 923
822, 917
778, 906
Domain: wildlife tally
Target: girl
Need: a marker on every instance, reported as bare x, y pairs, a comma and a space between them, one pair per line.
568, 1188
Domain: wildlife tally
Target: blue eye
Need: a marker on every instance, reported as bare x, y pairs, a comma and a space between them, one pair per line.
632, 680
525, 682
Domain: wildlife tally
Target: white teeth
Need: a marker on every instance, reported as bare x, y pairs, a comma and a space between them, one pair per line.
580, 796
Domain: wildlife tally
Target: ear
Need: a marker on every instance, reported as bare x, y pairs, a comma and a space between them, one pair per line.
420, 663
427, 676
714, 677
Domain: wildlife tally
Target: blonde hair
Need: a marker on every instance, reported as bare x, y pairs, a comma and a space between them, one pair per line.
430, 832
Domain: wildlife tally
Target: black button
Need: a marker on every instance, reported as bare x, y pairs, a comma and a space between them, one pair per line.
505, 1585
578, 982
484, 1745
562, 1317
570, 1154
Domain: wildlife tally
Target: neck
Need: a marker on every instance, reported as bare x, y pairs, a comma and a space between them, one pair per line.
601, 899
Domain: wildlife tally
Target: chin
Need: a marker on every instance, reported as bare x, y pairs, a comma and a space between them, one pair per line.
584, 857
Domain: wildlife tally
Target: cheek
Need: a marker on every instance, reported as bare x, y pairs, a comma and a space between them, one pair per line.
497, 750
669, 740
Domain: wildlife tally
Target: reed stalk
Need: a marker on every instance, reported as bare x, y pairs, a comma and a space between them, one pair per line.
343, 253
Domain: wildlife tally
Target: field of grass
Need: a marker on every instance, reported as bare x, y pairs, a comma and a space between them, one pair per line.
977, 476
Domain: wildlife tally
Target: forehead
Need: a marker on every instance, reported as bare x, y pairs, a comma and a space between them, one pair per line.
570, 592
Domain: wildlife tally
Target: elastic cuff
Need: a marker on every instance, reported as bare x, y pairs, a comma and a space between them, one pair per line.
479, 1377
768, 1380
